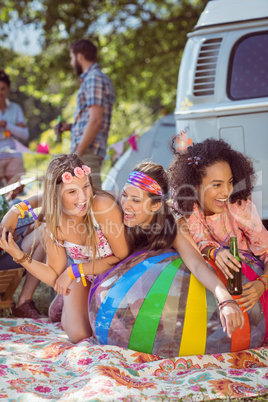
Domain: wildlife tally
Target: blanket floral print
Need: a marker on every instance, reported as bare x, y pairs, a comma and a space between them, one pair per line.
38, 363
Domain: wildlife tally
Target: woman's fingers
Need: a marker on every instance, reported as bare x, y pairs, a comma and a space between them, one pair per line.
231, 318
252, 291
224, 268
226, 262
223, 322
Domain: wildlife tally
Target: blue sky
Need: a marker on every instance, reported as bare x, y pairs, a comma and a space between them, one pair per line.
22, 39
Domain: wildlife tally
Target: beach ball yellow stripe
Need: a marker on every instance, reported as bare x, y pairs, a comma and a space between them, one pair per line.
194, 334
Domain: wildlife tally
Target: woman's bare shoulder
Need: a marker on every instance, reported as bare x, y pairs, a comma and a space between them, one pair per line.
103, 201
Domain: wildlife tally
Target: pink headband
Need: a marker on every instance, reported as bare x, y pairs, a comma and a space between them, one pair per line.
146, 183
67, 177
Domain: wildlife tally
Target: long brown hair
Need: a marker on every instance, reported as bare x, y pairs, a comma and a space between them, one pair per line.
162, 231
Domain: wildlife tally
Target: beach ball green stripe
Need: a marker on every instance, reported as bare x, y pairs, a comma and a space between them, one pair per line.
144, 330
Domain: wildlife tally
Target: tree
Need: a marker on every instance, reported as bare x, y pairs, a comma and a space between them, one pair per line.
140, 42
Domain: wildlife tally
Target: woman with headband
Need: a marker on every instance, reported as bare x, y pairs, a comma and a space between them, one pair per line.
149, 224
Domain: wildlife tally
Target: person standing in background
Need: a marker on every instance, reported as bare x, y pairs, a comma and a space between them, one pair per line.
12, 126
93, 111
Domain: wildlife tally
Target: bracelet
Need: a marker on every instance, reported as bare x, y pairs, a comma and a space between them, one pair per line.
70, 272
265, 276
75, 271
80, 267
20, 209
23, 206
212, 254
215, 252
23, 259
208, 253
30, 208
223, 303
262, 281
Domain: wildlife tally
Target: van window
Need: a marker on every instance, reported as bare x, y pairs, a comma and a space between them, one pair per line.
204, 80
248, 69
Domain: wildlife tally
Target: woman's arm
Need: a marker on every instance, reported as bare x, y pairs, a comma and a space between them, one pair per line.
184, 230
101, 265
109, 217
47, 273
10, 220
231, 315
18, 130
250, 226
225, 261
253, 290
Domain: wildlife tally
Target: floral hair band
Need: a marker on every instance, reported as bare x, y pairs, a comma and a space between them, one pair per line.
67, 177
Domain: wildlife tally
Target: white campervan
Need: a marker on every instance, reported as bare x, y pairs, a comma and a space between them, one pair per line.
223, 83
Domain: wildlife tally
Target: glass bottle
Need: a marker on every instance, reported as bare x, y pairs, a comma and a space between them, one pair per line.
234, 285
58, 132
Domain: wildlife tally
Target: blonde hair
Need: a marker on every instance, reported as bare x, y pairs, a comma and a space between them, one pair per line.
52, 210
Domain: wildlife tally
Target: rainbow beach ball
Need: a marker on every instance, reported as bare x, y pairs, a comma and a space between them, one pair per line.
152, 303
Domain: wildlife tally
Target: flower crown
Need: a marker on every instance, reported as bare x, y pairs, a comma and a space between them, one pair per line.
67, 177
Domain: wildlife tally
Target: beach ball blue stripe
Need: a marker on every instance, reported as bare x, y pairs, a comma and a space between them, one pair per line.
116, 294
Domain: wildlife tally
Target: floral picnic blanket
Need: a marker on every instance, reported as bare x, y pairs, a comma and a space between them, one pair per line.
38, 363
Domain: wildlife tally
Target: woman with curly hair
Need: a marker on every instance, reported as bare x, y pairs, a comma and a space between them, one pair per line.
212, 184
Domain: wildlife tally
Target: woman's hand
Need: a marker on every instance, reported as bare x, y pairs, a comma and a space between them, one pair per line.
226, 261
62, 284
8, 244
252, 291
10, 220
231, 318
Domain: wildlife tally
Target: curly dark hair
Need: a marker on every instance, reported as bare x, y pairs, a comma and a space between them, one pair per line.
185, 178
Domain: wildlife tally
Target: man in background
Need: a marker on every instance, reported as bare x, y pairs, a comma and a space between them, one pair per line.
93, 111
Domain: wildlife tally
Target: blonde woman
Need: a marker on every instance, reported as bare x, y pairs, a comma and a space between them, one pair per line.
81, 222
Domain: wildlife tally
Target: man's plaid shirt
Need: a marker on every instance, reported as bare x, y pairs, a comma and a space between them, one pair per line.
96, 89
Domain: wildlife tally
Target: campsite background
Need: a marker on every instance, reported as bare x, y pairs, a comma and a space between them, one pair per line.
140, 47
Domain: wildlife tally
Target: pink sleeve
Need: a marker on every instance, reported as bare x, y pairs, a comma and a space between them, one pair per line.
249, 222
199, 232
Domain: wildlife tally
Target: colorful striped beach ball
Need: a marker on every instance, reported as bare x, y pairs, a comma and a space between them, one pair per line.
152, 303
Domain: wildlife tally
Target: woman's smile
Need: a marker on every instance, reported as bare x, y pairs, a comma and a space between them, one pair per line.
136, 205
216, 188
81, 206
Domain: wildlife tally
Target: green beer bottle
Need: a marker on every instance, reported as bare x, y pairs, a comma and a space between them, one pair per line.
58, 132
234, 285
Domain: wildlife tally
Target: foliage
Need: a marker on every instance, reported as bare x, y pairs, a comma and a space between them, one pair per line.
140, 46
141, 43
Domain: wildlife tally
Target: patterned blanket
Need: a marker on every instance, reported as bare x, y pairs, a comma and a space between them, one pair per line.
38, 363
